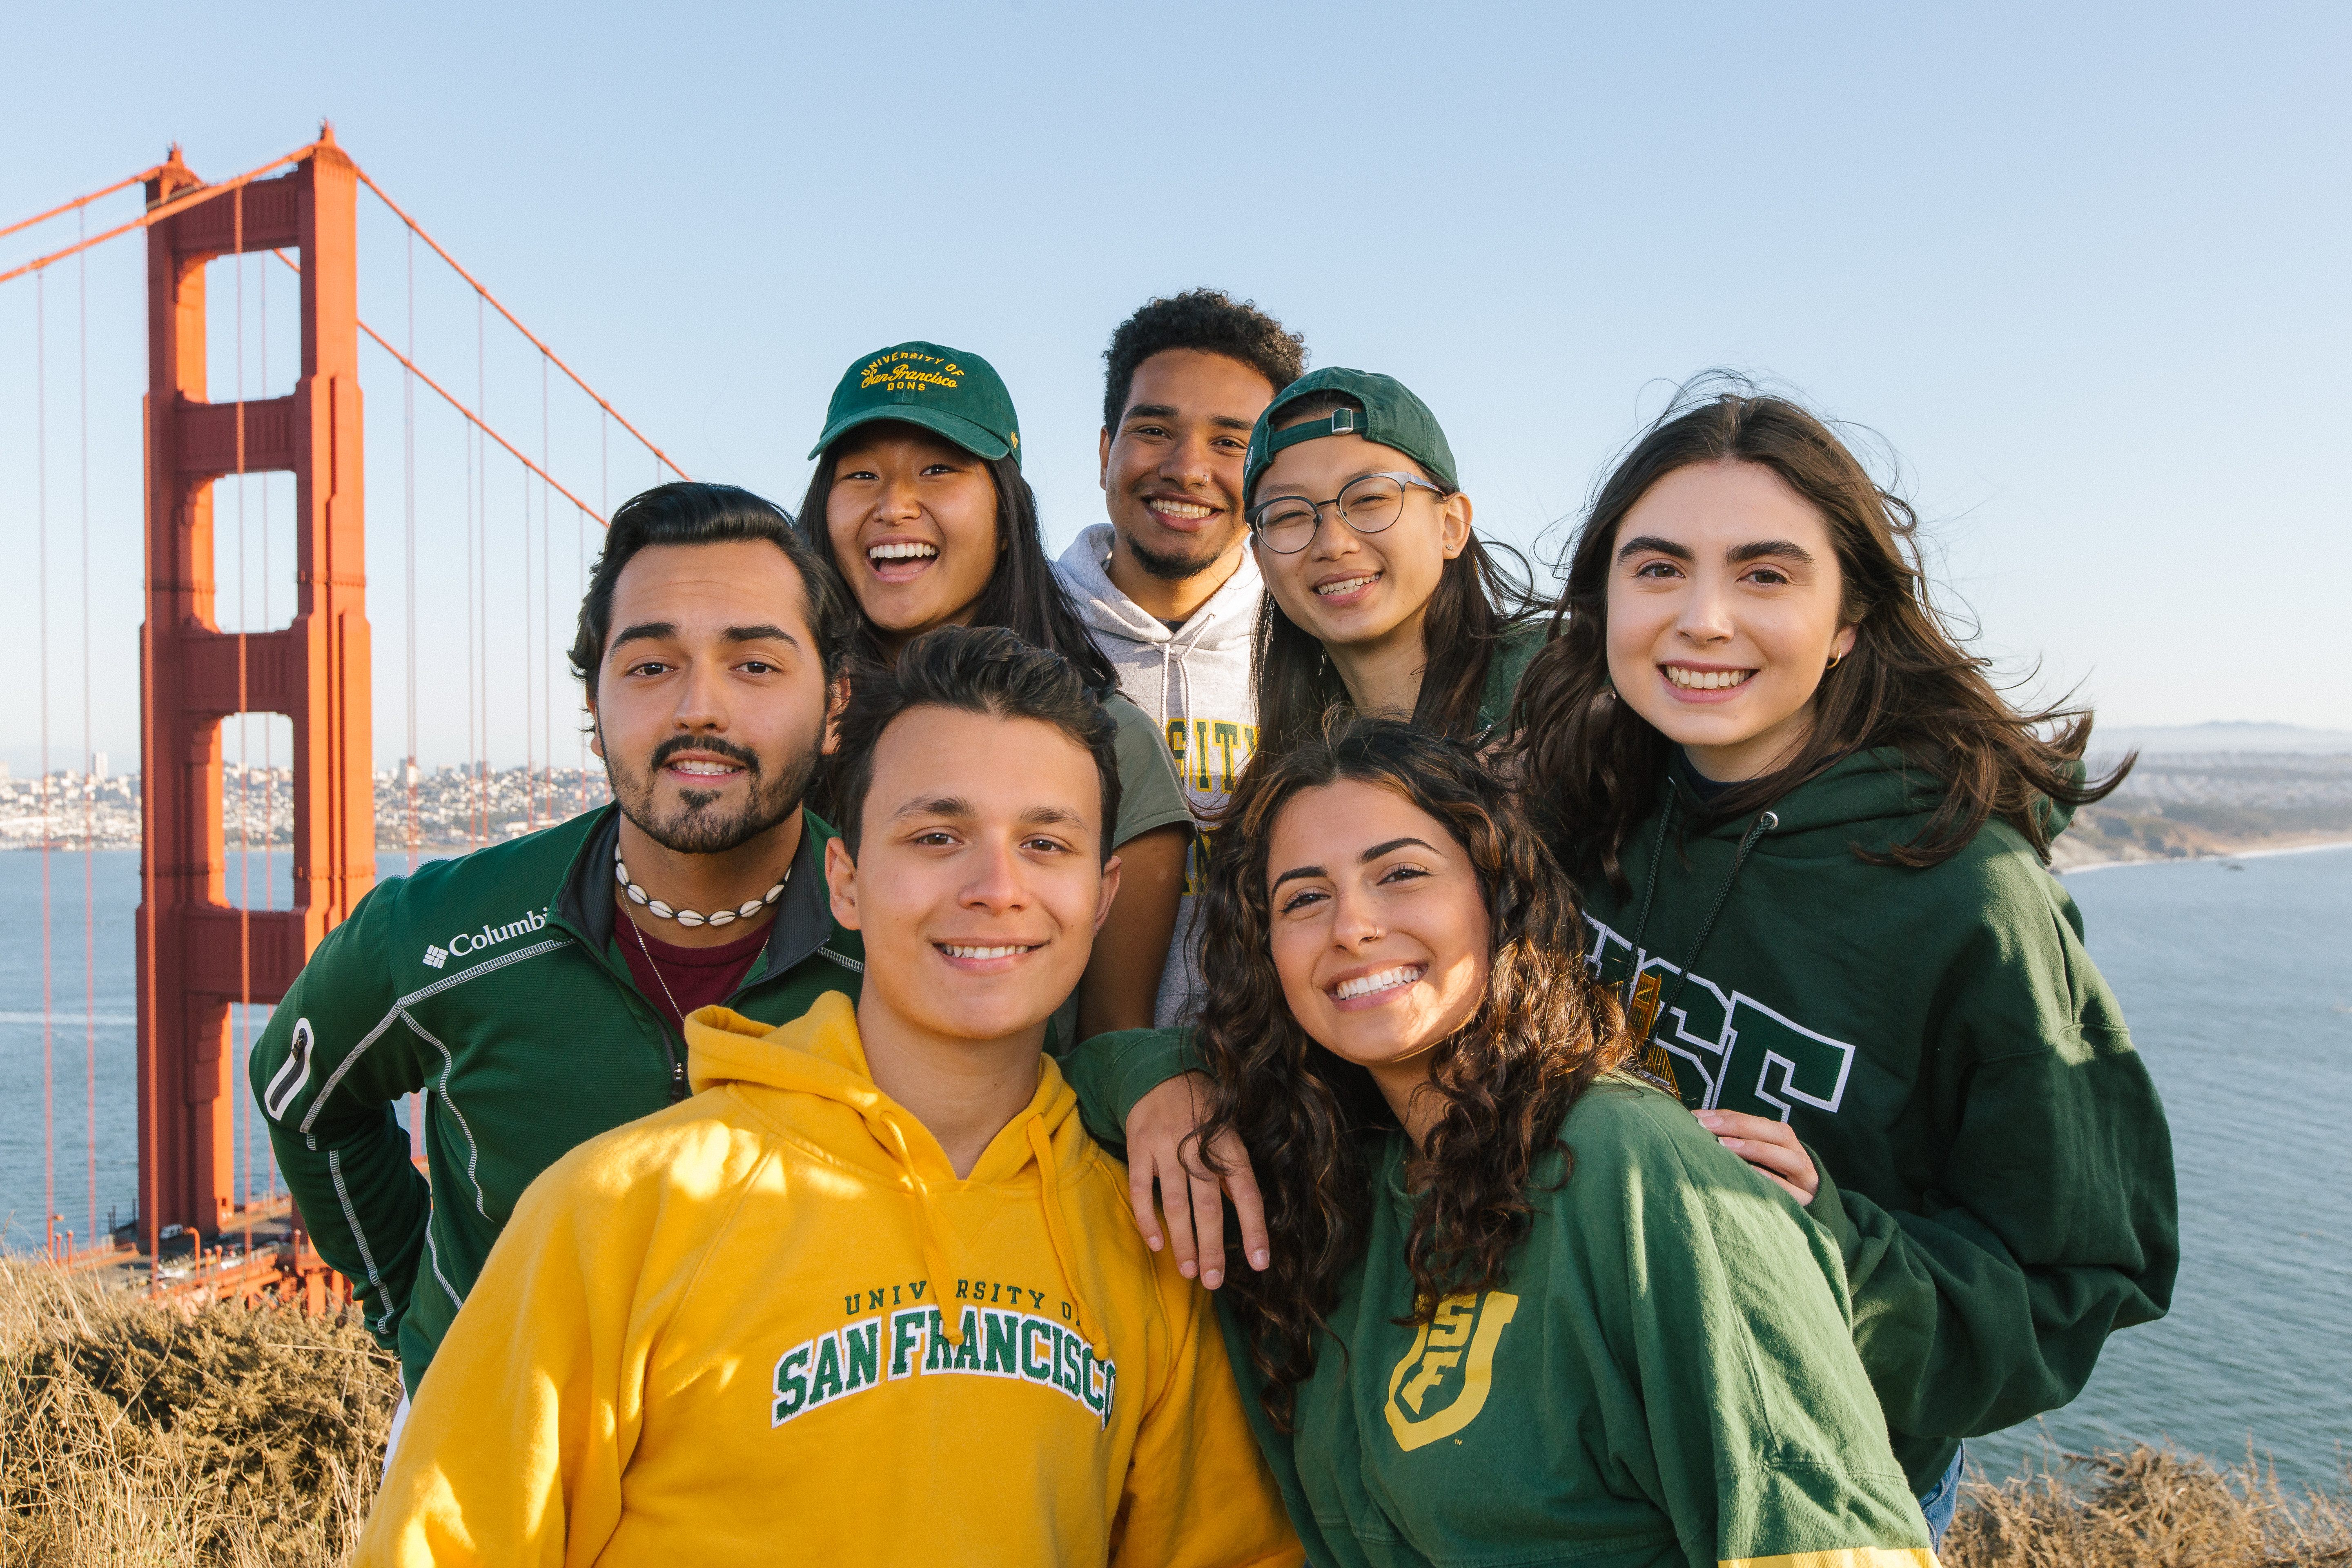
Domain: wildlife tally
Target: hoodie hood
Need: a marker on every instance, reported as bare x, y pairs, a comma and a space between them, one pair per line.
821, 1054
1224, 625
1873, 798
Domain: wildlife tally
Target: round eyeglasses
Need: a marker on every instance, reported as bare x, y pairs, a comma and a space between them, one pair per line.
1368, 504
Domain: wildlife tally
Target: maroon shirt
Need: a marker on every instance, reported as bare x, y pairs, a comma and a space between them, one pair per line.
695, 977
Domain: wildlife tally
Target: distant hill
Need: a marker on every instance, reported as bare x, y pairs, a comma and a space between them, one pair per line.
2229, 735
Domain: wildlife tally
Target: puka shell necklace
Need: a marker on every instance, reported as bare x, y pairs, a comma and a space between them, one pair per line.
743, 911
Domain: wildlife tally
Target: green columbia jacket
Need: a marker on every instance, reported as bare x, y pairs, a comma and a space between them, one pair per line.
1665, 1378
491, 983
1995, 1164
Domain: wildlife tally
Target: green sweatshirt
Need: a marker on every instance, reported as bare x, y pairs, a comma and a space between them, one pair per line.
1995, 1164
1665, 1376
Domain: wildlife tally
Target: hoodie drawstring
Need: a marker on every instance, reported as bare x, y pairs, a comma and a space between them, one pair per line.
1766, 821
934, 1260
1049, 1191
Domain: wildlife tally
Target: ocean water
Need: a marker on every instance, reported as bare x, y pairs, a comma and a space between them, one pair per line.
2236, 977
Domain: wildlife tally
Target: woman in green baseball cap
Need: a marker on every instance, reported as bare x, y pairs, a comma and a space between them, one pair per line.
919, 504
1380, 594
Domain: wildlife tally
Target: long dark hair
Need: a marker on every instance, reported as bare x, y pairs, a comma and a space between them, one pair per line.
1481, 594
1594, 767
1022, 596
1507, 1078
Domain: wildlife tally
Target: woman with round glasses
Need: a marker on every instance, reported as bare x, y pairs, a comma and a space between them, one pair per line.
1379, 593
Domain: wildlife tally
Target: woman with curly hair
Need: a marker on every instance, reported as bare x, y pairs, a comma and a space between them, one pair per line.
1812, 839
1521, 1307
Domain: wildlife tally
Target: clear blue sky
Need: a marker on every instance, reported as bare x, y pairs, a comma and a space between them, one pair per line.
2084, 270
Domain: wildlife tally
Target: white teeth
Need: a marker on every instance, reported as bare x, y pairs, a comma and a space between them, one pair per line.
1705, 679
712, 769
1404, 975
909, 549
954, 951
1183, 509
1348, 584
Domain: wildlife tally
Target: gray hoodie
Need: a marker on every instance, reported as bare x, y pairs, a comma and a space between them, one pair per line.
1195, 684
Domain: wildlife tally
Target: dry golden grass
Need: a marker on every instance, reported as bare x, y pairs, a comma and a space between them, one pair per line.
2150, 1508
134, 1433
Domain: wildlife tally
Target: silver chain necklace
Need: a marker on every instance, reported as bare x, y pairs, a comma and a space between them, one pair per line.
742, 911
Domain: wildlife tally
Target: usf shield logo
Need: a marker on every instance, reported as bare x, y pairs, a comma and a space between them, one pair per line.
1441, 1384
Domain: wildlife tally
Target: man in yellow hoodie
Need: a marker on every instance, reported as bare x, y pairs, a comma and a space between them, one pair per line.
872, 1294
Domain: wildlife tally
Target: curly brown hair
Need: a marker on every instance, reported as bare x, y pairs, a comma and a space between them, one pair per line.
1313, 1123
1595, 766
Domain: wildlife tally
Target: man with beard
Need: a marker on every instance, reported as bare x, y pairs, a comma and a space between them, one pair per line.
1167, 586
536, 991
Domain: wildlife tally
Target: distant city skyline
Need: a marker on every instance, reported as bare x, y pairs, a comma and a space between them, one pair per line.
2081, 271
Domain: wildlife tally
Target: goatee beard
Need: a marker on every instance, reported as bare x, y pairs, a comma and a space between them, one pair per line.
695, 827
1170, 568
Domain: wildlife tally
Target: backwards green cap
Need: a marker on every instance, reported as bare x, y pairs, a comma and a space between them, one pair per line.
1391, 415
958, 396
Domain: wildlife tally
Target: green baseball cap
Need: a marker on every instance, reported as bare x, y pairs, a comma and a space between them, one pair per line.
955, 395
1391, 415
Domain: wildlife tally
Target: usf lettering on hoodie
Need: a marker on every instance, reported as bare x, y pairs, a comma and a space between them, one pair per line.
771, 1323
1994, 1160
1194, 682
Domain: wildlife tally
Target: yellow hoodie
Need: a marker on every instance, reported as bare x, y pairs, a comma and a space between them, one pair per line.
769, 1323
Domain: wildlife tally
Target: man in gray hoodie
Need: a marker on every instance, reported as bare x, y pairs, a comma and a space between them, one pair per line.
1167, 587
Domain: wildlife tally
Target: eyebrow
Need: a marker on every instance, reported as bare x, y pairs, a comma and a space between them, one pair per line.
1169, 411
935, 805
763, 633
1366, 858
1757, 550
956, 806
1738, 554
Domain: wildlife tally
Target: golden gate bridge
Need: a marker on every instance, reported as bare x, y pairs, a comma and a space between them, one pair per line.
205, 961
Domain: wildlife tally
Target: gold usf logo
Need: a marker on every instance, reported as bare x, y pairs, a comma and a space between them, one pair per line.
1441, 1384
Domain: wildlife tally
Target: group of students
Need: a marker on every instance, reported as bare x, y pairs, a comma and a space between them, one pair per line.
1608, 1079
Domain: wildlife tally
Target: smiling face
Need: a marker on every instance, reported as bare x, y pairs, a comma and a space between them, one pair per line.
1725, 605
912, 522
1171, 472
978, 880
710, 699
1349, 589
1378, 928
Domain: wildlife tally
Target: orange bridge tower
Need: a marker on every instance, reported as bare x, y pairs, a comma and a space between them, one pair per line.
197, 954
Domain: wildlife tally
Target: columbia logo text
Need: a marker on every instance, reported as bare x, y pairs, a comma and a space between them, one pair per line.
489, 936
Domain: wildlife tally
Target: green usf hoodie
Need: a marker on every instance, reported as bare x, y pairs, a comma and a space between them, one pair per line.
1665, 1376
1995, 1164
491, 983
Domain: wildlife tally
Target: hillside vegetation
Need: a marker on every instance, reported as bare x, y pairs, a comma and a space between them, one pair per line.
137, 1434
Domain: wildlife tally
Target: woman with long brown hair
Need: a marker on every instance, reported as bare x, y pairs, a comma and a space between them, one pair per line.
1811, 836
1520, 1306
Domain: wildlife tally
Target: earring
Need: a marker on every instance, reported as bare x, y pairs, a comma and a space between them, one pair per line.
1834, 660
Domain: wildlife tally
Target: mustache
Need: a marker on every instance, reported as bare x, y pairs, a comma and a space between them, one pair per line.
712, 745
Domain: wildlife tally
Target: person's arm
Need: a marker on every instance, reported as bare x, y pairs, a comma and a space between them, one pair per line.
2054, 1223
1143, 1092
1197, 1491
1122, 984
325, 1072
1743, 1411
515, 1446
